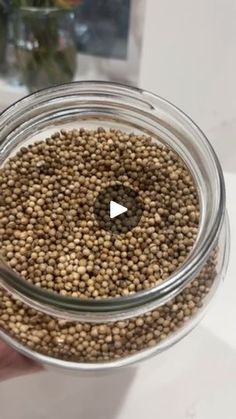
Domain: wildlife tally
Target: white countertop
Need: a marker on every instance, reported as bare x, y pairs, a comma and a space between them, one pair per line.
189, 57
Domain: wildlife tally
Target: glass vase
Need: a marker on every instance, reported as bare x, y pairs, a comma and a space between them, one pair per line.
3, 38
45, 47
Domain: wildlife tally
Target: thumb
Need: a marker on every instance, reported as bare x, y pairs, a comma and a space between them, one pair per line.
13, 364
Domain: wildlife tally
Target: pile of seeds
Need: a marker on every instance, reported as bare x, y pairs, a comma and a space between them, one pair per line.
49, 235
48, 232
86, 342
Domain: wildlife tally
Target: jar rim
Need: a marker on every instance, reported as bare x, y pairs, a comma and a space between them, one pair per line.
126, 304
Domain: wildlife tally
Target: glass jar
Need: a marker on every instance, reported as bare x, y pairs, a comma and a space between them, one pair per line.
45, 46
126, 329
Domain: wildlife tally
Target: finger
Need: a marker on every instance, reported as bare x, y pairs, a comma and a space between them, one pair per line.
13, 364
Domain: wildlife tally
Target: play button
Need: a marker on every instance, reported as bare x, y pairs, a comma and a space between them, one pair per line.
118, 209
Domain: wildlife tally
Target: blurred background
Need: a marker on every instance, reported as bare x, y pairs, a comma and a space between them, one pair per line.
46, 42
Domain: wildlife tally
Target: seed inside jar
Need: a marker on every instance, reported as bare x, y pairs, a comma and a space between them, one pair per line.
50, 236
49, 233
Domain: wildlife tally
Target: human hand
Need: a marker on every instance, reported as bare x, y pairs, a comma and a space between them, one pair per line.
13, 364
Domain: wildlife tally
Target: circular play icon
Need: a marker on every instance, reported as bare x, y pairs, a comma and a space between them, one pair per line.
118, 209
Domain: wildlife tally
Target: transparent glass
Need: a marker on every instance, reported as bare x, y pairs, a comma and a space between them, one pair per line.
45, 46
128, 329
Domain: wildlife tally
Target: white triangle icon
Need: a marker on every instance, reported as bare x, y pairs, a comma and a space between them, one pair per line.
116, 209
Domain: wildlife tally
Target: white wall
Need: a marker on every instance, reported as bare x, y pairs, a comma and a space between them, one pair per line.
189, 57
